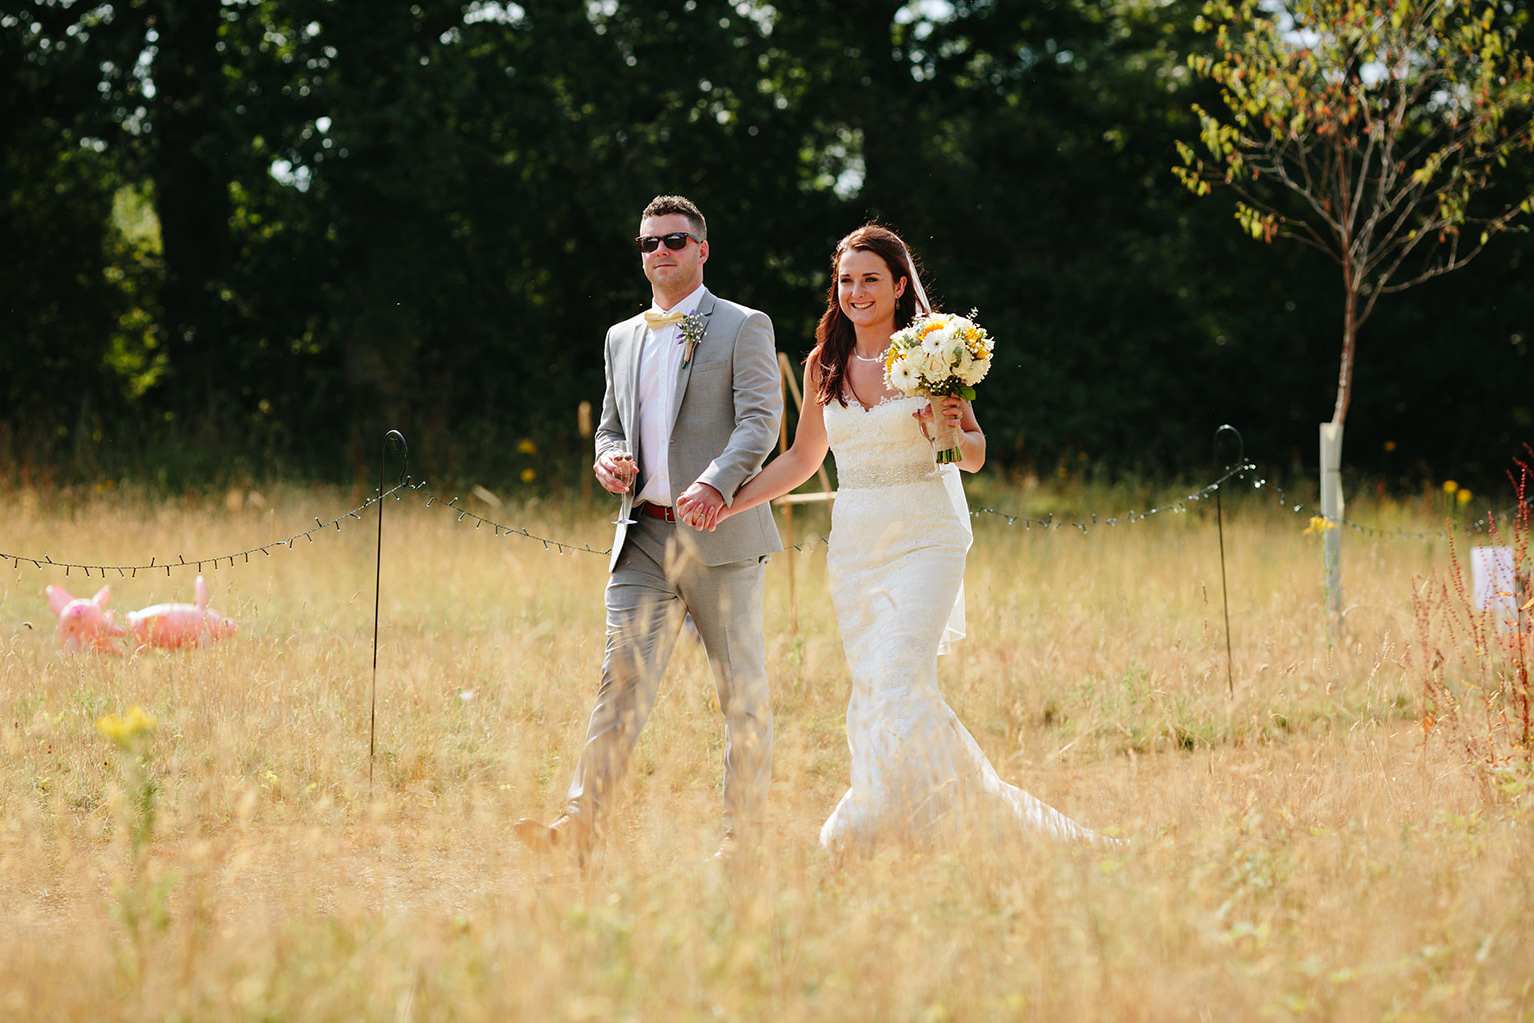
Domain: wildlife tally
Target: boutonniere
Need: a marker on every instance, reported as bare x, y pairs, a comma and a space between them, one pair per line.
691, 328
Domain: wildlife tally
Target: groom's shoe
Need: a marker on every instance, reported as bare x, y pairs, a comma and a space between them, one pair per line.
740, 859
569, 834
738, 851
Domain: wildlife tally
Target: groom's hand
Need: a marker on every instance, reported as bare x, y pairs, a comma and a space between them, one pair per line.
614, 474
699, 507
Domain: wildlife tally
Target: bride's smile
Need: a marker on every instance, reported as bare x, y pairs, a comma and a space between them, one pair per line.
867, 293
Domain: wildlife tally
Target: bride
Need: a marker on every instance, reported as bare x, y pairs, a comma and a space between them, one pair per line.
899, 536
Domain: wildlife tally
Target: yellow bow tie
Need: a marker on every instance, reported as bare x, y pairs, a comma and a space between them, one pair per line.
658, 321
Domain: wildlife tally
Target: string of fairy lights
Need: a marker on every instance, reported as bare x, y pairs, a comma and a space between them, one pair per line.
182, 561
1489, 523
1244, 473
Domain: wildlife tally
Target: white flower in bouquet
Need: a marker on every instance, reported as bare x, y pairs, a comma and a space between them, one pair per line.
901, 377
939, 354
938, 341
964, 366
937, 365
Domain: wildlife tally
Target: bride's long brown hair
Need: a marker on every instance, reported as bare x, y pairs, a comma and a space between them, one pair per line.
835, 335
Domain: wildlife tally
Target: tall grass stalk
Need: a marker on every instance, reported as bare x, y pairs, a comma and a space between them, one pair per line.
1474, 662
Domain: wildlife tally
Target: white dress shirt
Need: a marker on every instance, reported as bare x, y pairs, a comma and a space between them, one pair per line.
659, 364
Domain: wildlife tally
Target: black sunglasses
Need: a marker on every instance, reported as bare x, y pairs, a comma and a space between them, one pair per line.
674, 241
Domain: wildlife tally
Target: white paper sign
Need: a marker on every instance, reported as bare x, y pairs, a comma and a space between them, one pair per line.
1495, 589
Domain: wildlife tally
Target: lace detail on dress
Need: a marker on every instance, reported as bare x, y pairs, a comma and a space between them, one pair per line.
877, 447
888, 399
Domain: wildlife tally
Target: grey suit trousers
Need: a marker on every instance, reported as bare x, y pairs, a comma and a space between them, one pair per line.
653, 585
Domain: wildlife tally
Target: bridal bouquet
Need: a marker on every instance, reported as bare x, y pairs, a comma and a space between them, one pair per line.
937, 355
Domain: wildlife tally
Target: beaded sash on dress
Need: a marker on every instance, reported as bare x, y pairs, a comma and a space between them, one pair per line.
870, 477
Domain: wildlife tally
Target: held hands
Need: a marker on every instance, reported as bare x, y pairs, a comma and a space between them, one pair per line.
701, 507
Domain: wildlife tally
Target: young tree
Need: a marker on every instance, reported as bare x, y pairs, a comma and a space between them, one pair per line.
1371, 130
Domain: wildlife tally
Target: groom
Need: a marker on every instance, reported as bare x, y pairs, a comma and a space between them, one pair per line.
693, 396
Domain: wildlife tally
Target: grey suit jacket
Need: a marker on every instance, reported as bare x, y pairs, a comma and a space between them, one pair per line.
724, 424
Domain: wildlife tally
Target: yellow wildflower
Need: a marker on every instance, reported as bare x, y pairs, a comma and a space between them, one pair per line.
125, 731
1318, 525
528, 475
527, 447
1449, 486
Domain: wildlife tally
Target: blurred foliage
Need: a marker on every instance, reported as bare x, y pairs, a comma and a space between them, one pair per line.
247, 238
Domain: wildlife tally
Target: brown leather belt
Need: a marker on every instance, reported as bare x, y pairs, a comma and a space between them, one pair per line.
658, 511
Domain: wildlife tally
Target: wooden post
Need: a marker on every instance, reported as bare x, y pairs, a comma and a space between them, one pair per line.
788, 510
583, 426
790, 386
793, 388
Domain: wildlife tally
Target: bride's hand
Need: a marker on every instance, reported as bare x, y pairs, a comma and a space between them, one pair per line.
953, 411
700, 506
724, 513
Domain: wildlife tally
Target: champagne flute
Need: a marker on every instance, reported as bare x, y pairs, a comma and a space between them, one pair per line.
628, 472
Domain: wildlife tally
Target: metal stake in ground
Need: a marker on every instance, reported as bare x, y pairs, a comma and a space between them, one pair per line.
1230, 680
383, 457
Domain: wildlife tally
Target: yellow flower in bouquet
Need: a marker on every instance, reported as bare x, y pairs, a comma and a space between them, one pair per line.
939, 354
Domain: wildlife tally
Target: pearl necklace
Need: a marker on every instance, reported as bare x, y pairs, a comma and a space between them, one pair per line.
864, 358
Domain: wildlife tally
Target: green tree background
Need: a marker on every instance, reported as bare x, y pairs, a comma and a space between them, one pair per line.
244, 239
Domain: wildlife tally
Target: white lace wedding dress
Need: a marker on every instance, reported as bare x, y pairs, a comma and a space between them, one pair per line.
899, 535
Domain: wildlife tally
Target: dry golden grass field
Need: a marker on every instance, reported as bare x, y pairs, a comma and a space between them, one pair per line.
1299, 849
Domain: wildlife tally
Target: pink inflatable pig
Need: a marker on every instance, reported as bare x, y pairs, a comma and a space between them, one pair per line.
177, 625
85, 624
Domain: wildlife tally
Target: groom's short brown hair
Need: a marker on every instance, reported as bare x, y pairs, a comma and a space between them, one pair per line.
662, 205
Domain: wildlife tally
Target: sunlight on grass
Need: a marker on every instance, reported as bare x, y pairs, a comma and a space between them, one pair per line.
1298, 851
